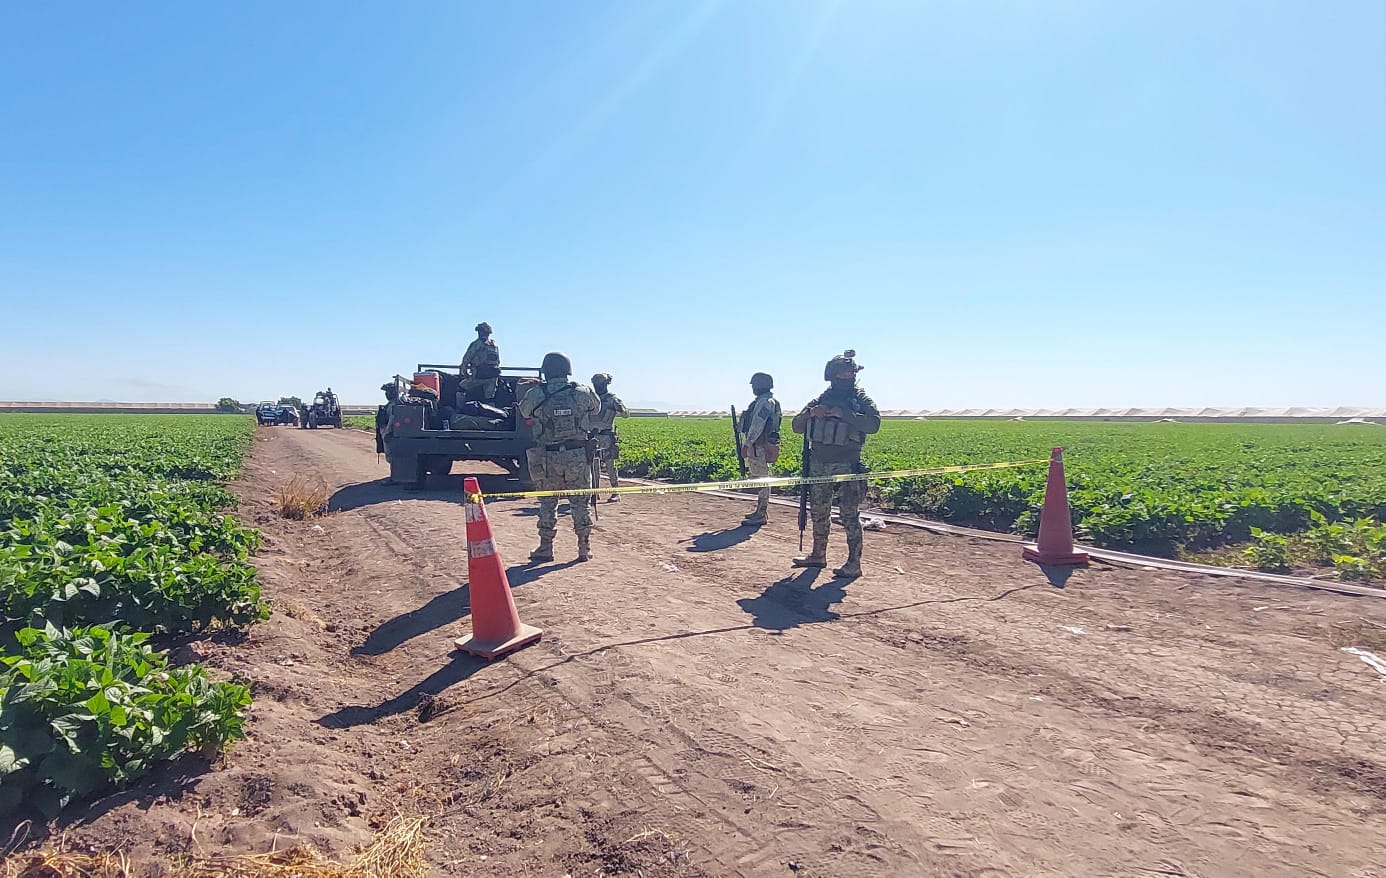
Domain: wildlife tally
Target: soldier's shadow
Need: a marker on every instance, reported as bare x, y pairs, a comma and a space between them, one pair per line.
793, 601
717, 540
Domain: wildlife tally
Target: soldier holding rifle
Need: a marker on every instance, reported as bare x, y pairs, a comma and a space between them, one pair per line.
835, 427
758, 441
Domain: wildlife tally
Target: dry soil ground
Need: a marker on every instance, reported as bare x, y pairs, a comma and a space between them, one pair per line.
698, 708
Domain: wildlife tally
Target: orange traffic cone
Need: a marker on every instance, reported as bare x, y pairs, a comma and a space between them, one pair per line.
496, 626
1055, 544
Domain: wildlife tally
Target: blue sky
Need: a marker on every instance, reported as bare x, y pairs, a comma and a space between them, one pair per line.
995, 203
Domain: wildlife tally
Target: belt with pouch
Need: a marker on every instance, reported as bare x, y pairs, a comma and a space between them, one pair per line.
565, 446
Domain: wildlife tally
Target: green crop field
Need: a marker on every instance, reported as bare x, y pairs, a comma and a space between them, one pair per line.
114, 529
1296, 494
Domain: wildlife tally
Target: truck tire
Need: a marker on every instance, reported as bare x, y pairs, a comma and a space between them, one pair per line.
435, 468
405, 470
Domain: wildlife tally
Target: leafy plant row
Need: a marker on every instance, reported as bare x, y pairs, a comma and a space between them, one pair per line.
1356, 548
90, 707
1152, 487
113, 528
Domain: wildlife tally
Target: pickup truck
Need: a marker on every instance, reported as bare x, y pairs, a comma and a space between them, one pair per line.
409, 429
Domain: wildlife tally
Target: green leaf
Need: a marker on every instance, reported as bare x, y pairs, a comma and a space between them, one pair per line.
10, 761
98, 704
76, 774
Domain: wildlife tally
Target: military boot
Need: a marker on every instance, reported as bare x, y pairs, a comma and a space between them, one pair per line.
584, 547
816, 558
852, 569
545, 550
760, 516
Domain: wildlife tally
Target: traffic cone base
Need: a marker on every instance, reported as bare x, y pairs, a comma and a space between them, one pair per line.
496, 626
1069, 559
490, 649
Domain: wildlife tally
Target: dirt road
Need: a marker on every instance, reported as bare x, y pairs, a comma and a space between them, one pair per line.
697, 708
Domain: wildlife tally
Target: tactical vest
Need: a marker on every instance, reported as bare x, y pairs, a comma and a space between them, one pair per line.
835, 431
561, 417
606, 417
774, 419
489, 355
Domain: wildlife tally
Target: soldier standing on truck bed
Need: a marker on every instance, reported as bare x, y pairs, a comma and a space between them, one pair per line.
605, 425
481, 364
560, 412
837, 424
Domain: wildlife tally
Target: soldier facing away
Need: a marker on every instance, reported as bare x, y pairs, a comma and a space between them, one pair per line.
760, 437
481, 364
560, 411
608, 445
837, 424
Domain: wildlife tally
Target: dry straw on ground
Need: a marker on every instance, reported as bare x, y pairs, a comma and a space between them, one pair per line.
300, 499
397, 852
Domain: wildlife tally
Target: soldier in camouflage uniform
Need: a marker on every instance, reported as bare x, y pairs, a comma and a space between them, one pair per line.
760, 438
560, 412
605, 425
837, 424
481, 364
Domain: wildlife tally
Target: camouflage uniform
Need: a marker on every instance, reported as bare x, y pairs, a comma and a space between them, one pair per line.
760, 437
836, 443
481, 367
561, 413
605, 425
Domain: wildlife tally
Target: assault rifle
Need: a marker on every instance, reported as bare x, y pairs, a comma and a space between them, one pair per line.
736, 434
804, 489
592, 448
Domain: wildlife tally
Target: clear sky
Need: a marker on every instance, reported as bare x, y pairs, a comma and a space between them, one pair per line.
994, 203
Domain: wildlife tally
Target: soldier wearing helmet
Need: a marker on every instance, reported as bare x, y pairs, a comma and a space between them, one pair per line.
561, 413
481, 366
837, 424
760, 438
608, 445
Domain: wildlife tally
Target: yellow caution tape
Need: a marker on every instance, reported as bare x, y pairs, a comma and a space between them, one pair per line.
756, 484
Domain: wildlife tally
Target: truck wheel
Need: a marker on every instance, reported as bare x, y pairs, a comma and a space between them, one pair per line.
405, 471
436, 468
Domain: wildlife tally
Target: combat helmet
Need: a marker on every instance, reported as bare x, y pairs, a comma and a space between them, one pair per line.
483, 327
601, 380
761, 382
845, 360
556, 366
